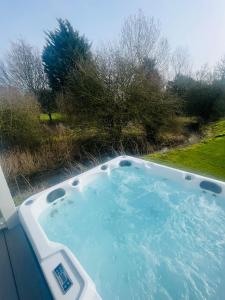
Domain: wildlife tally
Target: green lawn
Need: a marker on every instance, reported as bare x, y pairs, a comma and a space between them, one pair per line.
55, 117
206, 157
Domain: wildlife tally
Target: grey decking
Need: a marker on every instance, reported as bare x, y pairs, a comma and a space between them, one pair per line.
20, 274
7, 284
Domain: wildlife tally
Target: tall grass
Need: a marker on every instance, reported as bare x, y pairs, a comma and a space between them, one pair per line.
26, 162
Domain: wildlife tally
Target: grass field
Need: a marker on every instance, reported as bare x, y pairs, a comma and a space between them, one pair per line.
206, 157
55, 117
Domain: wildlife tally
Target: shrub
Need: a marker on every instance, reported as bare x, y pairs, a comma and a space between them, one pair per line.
202, 99
19, 120
150, 106
205, 101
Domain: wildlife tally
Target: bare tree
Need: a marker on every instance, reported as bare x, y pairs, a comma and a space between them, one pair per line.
4, 76
161, 56
141, 38
116, 70
181, 62
219, 71
23, 68
204, 74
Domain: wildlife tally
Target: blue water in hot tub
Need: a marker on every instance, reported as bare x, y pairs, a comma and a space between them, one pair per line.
140, 236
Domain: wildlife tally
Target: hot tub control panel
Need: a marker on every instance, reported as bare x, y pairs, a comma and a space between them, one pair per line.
62, 278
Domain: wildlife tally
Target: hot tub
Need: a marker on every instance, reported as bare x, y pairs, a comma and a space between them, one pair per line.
130, 229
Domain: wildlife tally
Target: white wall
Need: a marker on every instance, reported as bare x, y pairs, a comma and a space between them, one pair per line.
7, 206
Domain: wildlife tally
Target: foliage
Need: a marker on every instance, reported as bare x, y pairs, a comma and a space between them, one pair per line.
19, 120
91, 100
151, 106
126, 95
64, 49
203, 99
47, 102
84, 93
181, 84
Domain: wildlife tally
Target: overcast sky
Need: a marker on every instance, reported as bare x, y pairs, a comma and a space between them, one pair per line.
196, 24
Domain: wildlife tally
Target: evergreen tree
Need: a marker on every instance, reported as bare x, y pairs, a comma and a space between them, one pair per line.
63, 51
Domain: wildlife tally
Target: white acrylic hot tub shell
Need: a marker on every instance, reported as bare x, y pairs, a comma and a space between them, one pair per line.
50, 254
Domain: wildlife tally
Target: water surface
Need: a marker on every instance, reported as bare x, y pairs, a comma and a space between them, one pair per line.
140, 236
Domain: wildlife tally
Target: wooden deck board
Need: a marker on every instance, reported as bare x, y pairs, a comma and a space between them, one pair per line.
29, 281
7, 282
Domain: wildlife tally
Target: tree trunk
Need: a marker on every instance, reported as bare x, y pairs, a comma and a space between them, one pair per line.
50, 116
150, 134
